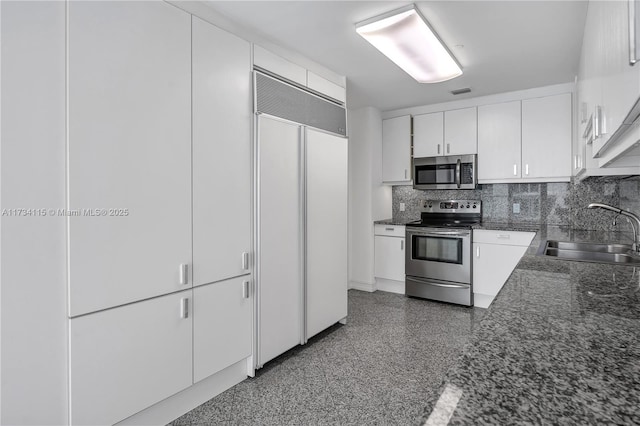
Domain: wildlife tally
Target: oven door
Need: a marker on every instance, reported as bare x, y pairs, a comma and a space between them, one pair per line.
439, 254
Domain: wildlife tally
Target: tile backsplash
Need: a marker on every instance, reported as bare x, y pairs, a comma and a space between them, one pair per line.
551, 203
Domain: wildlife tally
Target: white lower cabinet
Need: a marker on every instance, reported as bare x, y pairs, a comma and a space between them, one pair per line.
495, 256
389, 246
222, 325
125, 359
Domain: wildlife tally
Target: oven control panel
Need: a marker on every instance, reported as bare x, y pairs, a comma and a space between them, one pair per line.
452, 206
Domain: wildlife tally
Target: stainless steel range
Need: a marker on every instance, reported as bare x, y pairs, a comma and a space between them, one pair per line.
438, 256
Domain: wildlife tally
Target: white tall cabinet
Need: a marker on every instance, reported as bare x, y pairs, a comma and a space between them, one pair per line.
302, 234
160, 137
129, 152
222, 118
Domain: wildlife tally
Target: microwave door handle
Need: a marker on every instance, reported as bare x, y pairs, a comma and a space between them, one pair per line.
458, 173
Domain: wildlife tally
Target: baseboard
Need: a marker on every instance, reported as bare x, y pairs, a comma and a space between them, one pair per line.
390, 286
362, 286
175, 406
482, 300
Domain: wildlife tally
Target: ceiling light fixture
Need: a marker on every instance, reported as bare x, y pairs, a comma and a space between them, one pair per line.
405, 37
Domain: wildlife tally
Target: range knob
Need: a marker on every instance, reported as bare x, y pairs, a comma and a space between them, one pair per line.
474, 206
468, 206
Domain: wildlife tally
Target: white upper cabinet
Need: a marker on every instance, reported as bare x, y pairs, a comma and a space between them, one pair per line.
322, 85
460, 131
428, 135
271, 62
499, 141
129, 152
525, 141
609, 85
222, 113
546, 137
275, 64
396, 149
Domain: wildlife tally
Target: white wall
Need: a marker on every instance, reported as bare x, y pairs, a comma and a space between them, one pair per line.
32, 248
369, 200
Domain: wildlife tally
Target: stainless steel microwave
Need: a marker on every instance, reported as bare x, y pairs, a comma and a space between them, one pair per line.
450, 172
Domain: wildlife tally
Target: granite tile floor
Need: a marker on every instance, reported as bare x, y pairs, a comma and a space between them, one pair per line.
378, 369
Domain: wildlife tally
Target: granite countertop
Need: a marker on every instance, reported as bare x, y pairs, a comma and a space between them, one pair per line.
560, 344
395, 222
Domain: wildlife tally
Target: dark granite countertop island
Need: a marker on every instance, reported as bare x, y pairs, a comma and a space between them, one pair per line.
560, 344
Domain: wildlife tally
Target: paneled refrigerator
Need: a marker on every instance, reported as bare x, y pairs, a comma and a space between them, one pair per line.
301, 233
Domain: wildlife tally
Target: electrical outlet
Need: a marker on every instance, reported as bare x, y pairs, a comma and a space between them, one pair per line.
516, 208
402, 207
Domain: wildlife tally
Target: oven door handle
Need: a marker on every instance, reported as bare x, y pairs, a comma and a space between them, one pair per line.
438, 284
440, 234
458, 179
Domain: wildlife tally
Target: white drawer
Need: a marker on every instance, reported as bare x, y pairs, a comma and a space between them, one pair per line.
389, 230
508, 238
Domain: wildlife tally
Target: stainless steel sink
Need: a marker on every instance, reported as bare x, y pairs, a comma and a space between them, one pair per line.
589, 252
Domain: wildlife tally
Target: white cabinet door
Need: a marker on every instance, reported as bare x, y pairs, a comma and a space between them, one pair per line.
280, 250
621, 80
125, 359
428, 135
499, 141
389, 258
492, 265
326, 223
221, 154
222, 325
396, 149
461, 131
129, 152
546, 137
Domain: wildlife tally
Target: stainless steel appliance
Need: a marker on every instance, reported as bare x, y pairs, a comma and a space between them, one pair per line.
438, 255
450, 172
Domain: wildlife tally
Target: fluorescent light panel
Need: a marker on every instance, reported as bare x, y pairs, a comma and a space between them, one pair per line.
406, 38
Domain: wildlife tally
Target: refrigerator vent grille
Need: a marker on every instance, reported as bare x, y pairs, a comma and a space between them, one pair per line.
282, 100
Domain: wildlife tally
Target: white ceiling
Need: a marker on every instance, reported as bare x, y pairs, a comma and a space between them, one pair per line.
501, 45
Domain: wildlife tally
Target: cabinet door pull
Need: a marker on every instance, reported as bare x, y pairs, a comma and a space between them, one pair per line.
184, 308
448, 148
633, 53
503, 236
526, 169
438, 148
245, 289
184, 274
401, 244
389, 229
405, 173
245, 261
477, 251
515, 170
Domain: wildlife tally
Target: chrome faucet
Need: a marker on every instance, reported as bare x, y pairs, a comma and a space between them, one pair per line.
629, 216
